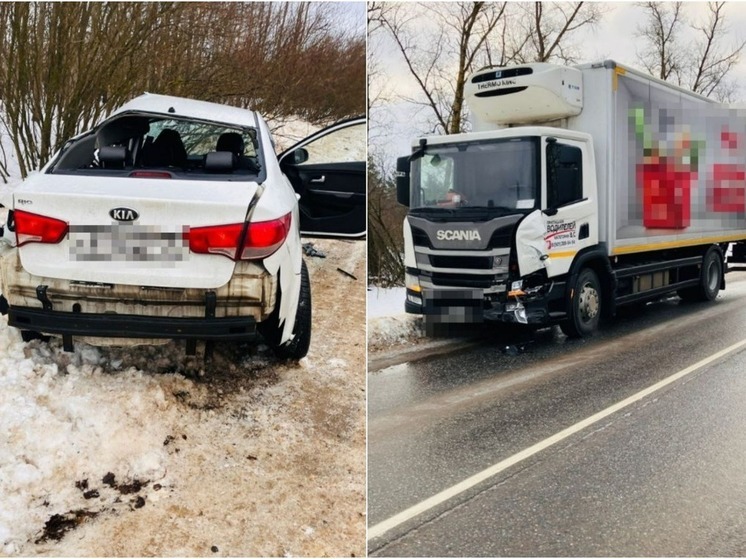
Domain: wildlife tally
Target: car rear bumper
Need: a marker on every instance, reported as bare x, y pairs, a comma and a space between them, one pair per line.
131, 326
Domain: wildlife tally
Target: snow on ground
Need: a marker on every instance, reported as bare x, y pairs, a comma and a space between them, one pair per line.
388, 324
143, 451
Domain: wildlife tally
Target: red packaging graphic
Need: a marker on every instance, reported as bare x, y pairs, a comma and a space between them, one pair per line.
666, 194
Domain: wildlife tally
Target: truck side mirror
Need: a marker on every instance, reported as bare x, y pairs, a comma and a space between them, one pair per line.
402, 180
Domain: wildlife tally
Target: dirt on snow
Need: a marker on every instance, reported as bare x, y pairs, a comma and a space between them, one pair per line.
144, 451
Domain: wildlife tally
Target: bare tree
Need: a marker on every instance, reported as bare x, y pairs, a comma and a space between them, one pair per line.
662, 56
715, 62
385, 236
439, 61
689, 55
63, 66
467, 35
550, 25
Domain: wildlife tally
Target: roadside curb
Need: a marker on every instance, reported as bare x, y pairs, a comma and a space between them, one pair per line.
417, 352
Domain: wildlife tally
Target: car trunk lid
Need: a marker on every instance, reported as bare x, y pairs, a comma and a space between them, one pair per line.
126, 230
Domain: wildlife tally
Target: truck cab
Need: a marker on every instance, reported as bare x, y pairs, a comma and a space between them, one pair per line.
494, 218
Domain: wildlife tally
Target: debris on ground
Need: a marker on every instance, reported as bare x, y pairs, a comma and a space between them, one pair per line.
345, 272
310, 250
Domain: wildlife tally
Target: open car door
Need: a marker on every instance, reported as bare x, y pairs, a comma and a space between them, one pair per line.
328, 171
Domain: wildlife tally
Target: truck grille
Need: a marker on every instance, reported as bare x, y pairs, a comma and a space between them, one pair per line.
420, 238
462, 262
461, 280
500, 238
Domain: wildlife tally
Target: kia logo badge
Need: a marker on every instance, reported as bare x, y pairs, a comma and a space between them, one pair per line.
124, 214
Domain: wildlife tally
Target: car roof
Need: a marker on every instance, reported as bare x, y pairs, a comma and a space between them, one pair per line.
182, 107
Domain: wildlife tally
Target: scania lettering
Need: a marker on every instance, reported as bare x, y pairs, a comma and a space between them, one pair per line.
580, 189
459, 235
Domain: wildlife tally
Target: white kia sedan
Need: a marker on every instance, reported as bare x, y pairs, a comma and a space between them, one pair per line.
171, 219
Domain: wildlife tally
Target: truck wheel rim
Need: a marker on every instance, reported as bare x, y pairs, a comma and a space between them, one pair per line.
588, 303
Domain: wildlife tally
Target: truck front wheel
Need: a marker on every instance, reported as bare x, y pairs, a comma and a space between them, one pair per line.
585, 307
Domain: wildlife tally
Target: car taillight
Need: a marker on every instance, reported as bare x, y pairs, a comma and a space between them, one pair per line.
240, 241
34, 228
265, 237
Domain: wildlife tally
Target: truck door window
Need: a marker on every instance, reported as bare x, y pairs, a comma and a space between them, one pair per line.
564, 174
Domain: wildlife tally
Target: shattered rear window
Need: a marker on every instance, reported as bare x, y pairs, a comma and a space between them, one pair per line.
152, 146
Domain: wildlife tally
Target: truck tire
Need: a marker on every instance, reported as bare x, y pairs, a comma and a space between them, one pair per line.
270, 329
585, 307
710, 276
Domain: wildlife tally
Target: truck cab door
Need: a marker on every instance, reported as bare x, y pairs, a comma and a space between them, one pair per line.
570, 199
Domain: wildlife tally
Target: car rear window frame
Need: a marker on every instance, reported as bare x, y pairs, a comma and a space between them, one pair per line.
176, 174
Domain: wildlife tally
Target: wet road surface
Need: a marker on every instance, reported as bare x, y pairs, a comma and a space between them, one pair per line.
666, 475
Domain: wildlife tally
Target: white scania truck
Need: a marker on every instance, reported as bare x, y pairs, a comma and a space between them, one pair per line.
580, 189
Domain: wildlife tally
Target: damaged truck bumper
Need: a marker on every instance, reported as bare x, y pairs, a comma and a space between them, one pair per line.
468, 306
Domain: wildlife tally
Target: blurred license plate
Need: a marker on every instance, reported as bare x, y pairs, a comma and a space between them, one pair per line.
126, 243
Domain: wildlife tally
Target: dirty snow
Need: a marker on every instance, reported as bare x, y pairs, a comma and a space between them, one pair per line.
145, 451
388, 324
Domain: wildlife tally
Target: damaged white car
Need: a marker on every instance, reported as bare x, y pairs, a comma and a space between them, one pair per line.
172, 219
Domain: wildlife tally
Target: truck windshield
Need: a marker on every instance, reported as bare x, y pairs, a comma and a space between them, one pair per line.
500, 175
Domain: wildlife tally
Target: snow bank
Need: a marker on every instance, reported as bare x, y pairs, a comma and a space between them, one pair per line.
388, 324
66, 420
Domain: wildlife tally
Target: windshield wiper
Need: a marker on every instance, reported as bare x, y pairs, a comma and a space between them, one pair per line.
492, 208
433, 210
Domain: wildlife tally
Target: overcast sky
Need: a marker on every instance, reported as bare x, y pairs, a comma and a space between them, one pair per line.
394, 123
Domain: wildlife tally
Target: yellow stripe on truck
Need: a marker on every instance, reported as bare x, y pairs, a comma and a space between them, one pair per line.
676, 244
567, 254
618, 71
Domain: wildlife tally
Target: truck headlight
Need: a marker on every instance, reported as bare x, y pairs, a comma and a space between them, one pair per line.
412, 283
414, 299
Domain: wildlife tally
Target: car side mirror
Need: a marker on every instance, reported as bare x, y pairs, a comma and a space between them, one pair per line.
300, 155
402, 180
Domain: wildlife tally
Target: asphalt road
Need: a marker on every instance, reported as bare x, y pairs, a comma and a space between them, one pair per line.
663, 475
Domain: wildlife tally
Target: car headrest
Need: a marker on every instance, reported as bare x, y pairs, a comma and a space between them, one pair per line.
112, 157
230, 141
220, 162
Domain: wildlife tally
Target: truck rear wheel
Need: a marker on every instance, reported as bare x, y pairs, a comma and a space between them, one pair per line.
710, 276
585, 307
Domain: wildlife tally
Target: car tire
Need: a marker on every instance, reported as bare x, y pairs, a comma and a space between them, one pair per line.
271, 331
